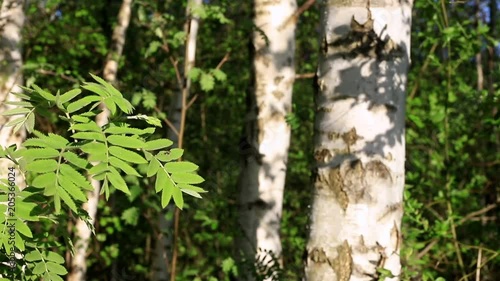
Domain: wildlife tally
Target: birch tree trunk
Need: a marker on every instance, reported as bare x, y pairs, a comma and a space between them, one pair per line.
265, 146
164, 263
82, 234
11, 25
355, 229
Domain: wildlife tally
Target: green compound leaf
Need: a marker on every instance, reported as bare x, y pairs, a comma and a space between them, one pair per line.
75, 160
75, 177
122, 165
23, 228
178, 200
66, 198
117, 181
42, 166
167, 156
56, 268
183, 166
89, 136
16, 111
66, 97
153, 167
126, 130
187, 178
37, 153
90, 126
55, 257
158, 144
127, 155
79, 104
44, 180
33, 256
125, 141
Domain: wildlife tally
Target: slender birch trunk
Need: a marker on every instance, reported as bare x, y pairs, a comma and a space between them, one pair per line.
165, 258
265, 147
355, 229
11, 62
82, 235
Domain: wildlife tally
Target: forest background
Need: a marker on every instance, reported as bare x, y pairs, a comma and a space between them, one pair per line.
451, 225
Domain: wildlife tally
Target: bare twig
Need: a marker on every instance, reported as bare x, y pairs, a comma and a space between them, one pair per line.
192, 101
224, 59
169, 124
305, 75
65, 77
295, 16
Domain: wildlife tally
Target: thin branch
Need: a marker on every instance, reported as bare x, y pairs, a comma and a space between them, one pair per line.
169, 124
477, 213
65, 77
224, 59
293, 18
191, 101
305, 75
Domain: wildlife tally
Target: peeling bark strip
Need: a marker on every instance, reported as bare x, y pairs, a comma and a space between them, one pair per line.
265, 146
359, 143
11, 24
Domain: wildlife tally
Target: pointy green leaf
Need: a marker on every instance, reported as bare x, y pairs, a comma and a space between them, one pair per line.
112, 90
19, 103
15, 122
36, 153
56, 268
125, 141
158, 144
117, 181
124, 105
153, 167
79, 104
90, 126
89, 136
66, 198
57, 200
187, 178
46, 95
75, 160
16, 111
178, 200
125, 130
192, 193
42, 166
23, 228
55, 257
94, 148
123, 166
174, 167
110, 105
72, 189
75, 177
163, 181
185, 186
98, 169
69, 95
127, 155
30, 122
44, 180
33, 256
173, 154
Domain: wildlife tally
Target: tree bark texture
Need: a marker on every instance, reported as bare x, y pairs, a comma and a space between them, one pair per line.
355, 222
11, 24
265, 145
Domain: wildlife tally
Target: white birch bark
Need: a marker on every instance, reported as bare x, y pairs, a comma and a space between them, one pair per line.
82, 234
11, 24
262, 179
164, 242
359, 140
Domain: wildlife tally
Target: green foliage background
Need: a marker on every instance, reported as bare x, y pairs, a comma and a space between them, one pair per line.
453, 138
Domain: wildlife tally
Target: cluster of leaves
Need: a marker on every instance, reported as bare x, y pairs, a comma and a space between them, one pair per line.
58, 168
